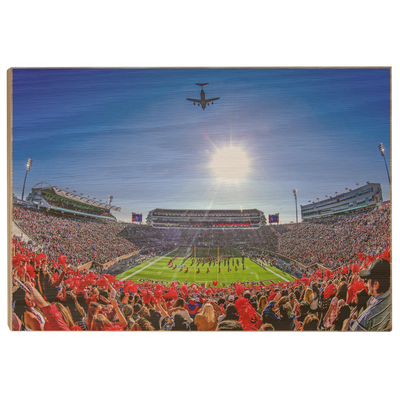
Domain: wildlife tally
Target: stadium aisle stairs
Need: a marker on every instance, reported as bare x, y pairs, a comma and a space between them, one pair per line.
15, 230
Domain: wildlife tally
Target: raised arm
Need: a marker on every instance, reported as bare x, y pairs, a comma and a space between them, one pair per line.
120, 315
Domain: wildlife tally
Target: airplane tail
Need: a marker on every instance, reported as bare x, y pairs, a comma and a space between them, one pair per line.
202, 84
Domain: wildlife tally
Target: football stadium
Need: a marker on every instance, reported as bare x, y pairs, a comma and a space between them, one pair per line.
191, 269
202, 231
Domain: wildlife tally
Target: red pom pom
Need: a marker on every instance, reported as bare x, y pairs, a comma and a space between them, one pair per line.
20, 271
305, 280
271, 296
40, 258
81, 285
215, 283
248, 317
118, 284
184, 289
146, 296
110, 278
328, 273
354, 268
131, 287
239, 288
74, 282
90, 280
18, 258
318, 273
353, 288
359, 285
172, 294
102, 282
329, 290
61, 259
158, 291
31, 271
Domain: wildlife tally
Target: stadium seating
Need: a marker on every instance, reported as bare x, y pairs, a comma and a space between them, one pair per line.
62, 297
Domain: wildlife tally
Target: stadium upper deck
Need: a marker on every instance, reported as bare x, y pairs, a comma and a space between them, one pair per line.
244, 219
58, 200
369, 195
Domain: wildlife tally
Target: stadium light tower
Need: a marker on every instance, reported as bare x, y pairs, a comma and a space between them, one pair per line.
28, 167
110, 199
295, 199
382, 150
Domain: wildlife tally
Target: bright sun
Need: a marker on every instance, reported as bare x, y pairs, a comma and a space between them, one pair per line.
230, 163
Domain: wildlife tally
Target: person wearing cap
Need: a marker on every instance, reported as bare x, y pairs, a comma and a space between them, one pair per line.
377, 315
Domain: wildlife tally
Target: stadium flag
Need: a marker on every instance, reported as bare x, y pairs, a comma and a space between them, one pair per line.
194, 251
273, 218
136, 217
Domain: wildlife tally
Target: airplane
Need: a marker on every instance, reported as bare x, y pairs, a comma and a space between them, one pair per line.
203, 101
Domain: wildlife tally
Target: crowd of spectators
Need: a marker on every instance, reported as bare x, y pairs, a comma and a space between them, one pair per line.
330, 241
352, 294
265, 237
82, 240
49, 295
335, 241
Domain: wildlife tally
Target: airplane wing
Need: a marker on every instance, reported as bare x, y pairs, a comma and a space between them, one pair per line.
195, 100
213, 99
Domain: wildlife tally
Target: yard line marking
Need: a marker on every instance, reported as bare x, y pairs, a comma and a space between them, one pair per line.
279, 276
148, 265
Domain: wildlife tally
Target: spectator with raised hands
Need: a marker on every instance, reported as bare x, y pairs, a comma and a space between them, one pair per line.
53, 318
179, 308
28, 314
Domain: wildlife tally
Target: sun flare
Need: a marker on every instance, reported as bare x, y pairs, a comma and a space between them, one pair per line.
230, 163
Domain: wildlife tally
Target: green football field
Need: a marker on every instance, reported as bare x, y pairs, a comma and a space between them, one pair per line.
157, 268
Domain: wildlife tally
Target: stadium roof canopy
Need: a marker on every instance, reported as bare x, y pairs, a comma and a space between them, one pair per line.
53, 192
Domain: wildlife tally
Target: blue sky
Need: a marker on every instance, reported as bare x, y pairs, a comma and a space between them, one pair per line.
132, 134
